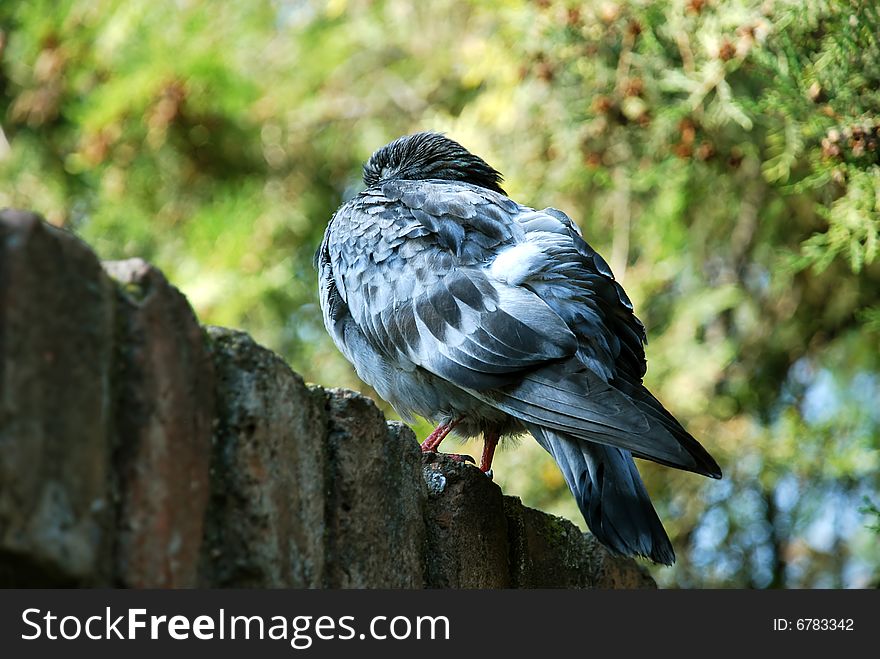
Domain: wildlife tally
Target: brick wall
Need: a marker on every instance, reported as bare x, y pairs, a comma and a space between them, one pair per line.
139, 449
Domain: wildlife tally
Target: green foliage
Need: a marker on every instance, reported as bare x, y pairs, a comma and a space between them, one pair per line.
871, 509
722, 155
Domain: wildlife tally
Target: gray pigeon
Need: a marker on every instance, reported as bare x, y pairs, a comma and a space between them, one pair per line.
460, 305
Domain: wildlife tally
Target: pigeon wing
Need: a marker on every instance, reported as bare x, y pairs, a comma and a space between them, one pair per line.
527, 332
419, 292
598, 395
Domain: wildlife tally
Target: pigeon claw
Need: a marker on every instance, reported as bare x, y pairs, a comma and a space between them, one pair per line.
460, 457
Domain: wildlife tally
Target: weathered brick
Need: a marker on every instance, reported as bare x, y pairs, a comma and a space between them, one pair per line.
56, 343
551, 552
265, 524
164, 411
467, 528
375, 523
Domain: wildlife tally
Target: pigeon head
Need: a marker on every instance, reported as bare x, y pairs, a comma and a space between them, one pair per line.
429, 156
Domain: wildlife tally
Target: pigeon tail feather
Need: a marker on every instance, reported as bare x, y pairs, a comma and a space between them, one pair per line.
610, 494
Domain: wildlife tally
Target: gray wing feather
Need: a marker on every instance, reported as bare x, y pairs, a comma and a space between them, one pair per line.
482, 345
578, 284
433, 304
586, 407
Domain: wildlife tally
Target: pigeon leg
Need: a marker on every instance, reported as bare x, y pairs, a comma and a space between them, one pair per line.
432, 442
490, 441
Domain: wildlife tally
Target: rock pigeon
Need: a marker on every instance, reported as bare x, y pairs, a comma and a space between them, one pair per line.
458, 304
